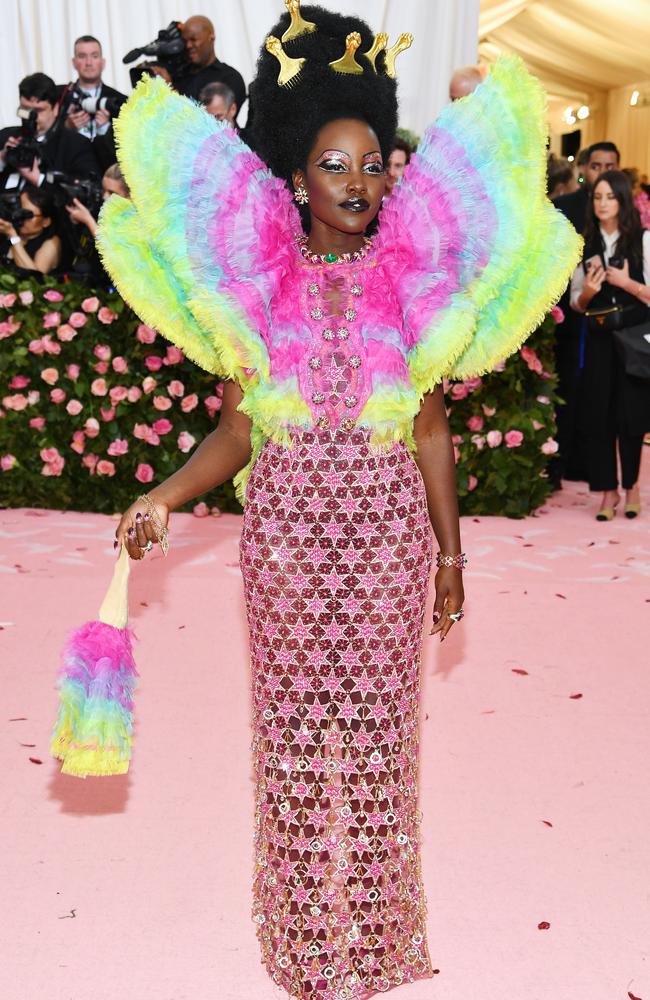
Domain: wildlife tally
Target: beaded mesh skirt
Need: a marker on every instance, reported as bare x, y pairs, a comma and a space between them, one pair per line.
335, 554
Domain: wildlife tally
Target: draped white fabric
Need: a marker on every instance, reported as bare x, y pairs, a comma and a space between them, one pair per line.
38, 35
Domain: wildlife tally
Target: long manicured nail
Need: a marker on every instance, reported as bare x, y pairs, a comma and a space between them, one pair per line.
147, 517
131, 532
115, 544
436, 617
138, 516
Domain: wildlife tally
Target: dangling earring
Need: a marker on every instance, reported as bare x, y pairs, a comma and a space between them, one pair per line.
300, 194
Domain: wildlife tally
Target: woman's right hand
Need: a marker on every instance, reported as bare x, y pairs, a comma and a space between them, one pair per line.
593, 279
136, 527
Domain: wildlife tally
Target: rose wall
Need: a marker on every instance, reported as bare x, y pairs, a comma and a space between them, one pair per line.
95, 406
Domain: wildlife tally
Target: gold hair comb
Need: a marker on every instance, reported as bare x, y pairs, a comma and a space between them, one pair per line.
289, 68
298, 24
379, 44
347, 63
404, 41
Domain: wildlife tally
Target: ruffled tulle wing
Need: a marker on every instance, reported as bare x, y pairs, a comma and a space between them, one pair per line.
198, 250
476, 252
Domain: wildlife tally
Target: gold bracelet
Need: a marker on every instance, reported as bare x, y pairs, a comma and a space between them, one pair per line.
161, 530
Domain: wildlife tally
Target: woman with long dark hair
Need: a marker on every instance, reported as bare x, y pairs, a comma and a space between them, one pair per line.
615, 272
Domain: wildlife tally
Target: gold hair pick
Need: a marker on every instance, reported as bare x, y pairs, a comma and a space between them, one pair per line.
379, 44
298, 24
289, 68
404, 41
347, 63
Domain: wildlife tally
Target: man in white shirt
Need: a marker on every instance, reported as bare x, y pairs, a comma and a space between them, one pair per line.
89, 62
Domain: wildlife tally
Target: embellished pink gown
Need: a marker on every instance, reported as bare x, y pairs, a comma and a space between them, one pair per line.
333, 360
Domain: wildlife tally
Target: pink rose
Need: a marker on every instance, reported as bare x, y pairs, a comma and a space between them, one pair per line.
118, 393
544, 400
105, 468
98, 387
201, 510
513, 438
459, 390
531, 359
91, 427
7, 462
90, 305
186, 441
66, 332
472, 483
52, 295
557, 314
77, 320
457, 439
212, 404
50, 375
162, 403
72, 371
50, 346
78, 442
145, 334
8, 328
176, 388
102, 352
133, 394
489, 411
57, 395
36, 346
19, 382
49, 454
74, 407
33, 397
26, 298
474, 382
90, 461
153, 362
51, 319
106, 316
537, 426
162, 426
15, 402
456, 455
478, 441
499, 367
37, 423
140, 431
188, 404
101, 367
144, 473
107, 414
6, 301
120, 365
173, 356
149, 383
53, 468
494, 439
119, 446
475, 423
550, 447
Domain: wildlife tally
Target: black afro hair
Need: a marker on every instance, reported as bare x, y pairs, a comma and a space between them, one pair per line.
284, 121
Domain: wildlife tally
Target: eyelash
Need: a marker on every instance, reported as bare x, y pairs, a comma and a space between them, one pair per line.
332, 167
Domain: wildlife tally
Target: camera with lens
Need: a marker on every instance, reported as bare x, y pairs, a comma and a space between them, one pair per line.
91, 105
24, 154
65, 188
168, 50
12, 211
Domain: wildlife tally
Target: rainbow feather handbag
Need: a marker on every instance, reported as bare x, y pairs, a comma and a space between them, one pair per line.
93, 730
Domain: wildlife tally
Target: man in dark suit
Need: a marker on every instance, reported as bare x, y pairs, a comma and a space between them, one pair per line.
570, 462
198, 34
89, 63
55, 147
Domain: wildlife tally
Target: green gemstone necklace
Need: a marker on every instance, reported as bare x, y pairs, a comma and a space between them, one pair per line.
332, 258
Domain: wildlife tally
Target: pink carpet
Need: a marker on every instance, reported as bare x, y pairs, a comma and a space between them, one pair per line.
535, 744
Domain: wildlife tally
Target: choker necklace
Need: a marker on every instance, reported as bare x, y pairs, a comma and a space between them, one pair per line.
332, 258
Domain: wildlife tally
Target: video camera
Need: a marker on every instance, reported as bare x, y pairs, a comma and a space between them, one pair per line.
23, 155
12, 211
91, 105
66, 188
168, 50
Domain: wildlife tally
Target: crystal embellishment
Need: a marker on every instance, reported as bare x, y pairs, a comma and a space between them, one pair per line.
328, 333
355, 361
317, 313
356, 289
315, 362
313, 288
318, 398
351, 401
342, 333
350, 315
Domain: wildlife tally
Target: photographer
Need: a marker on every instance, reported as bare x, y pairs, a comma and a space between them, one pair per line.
28, 238
113, 182
219, 101
198, 34
41, 143
86, 265
90, 104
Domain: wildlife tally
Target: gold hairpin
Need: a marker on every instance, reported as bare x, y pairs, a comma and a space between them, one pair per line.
347, 63
403, 42
379, 44
289, 68
298, 24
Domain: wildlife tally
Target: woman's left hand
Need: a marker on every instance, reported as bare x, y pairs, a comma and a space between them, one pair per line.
449, 599
79, 213
7, 228
618, 276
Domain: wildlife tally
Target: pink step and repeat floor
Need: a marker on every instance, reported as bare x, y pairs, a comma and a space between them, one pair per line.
535, 743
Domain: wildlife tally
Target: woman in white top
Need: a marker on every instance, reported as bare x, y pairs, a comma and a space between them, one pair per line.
615, 272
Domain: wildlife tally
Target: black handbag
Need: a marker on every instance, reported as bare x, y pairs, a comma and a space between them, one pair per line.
633, 345
609, 319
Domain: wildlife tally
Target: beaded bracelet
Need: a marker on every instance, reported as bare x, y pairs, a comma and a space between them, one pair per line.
161, 531
459, 561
